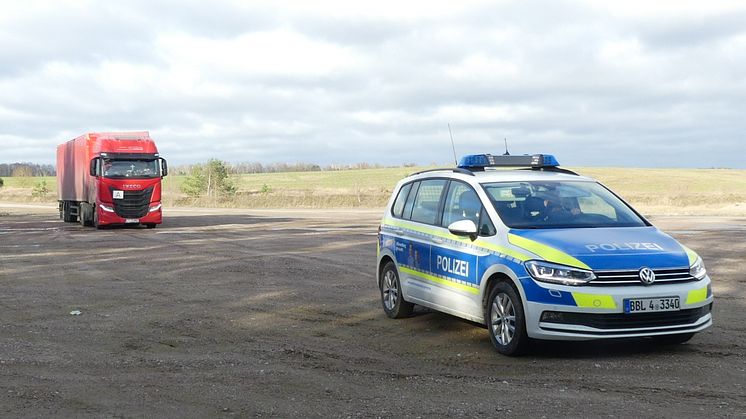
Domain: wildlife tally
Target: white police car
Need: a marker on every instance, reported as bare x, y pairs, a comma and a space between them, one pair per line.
537, 252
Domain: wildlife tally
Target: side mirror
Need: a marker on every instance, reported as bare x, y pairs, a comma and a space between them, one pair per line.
164, 168
94, 167
465, 228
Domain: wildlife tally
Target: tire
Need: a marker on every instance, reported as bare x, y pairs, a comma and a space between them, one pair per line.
85, 215
150, 225
392, 299
95, 219
66, 215
673, 339
506, 321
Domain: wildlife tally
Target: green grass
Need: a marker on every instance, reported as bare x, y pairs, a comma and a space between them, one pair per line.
653, 191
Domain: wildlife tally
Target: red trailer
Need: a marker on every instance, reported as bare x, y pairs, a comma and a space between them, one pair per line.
107, 178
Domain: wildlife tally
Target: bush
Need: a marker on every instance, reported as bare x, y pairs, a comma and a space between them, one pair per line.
41, 190
2, 182
210, 179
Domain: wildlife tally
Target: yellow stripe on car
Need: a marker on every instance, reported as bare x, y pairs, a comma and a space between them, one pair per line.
477, 243
691, 254
549, 253
442, 281
593, 300
696, 296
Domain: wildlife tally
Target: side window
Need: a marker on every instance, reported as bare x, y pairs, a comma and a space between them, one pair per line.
426, 203
462, 203
400, 199
410, 201
486, 228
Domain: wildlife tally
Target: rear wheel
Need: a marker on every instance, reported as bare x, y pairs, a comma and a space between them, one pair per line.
391, 296
67, 215
506, 321
673, 339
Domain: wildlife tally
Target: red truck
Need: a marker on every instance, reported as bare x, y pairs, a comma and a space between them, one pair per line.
110, 178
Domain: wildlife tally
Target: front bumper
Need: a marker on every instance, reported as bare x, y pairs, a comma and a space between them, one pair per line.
598, 312
112, 218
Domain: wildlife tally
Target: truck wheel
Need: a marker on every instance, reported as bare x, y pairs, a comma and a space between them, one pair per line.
393, 301
150, 225
89, 210
95, 219
67, 215
506, 322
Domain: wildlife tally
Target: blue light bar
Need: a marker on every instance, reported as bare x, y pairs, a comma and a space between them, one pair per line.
480, 161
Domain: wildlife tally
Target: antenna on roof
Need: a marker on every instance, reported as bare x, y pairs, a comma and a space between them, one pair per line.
453, 145
506, 148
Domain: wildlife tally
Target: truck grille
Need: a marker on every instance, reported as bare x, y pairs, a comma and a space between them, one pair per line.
627, 321
135, 203
662, 276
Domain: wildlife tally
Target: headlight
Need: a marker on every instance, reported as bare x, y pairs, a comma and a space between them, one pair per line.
558, 274
697, 269
154, 208
106, 208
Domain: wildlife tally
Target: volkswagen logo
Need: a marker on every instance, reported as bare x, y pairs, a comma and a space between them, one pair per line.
647, 276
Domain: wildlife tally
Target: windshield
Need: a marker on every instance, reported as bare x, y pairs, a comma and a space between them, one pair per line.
557, 204
120, 169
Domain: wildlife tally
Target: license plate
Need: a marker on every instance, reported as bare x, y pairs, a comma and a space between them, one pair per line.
650, 305
131, 220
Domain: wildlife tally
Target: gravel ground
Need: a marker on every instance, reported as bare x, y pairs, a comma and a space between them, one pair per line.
276, 313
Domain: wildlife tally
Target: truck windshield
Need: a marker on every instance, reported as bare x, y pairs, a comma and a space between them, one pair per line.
558, 204
120, 169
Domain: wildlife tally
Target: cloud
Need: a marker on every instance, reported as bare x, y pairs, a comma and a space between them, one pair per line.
636, 84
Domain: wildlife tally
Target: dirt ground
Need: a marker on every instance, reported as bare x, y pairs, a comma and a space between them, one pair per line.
276, 313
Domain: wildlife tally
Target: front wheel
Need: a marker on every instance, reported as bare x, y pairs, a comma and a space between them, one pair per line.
506, 321
391, 296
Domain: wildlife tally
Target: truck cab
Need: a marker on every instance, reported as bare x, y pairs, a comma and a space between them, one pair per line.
111, 179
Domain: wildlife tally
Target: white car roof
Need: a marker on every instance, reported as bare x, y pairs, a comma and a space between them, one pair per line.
502, 175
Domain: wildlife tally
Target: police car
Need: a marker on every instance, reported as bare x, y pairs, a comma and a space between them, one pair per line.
536, 252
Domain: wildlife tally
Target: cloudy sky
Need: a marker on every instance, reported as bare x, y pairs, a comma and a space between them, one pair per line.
628, 83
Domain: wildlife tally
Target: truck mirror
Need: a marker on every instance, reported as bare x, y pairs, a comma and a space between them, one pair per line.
94, 167
164, 168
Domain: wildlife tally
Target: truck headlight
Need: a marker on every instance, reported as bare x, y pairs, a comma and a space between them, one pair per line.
697, 269
558, 274
106, 208
154, 208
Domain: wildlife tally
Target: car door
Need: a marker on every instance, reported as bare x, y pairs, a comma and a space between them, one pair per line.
454, 259
420, 214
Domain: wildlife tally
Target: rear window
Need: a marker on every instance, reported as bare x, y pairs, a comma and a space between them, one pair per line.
398, 207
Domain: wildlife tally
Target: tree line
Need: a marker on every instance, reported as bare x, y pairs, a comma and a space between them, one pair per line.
27, 169
257, 167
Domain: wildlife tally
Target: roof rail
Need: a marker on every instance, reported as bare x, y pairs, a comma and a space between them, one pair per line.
552, 169
446, 169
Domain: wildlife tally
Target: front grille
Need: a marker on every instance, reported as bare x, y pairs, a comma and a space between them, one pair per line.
662, 276
627, 321
135, 203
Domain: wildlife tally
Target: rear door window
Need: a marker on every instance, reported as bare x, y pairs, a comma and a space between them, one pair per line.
425, 208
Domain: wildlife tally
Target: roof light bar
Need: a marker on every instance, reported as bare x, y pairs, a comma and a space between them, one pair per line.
480, 161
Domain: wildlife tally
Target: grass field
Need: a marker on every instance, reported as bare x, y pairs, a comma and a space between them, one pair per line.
652, 191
